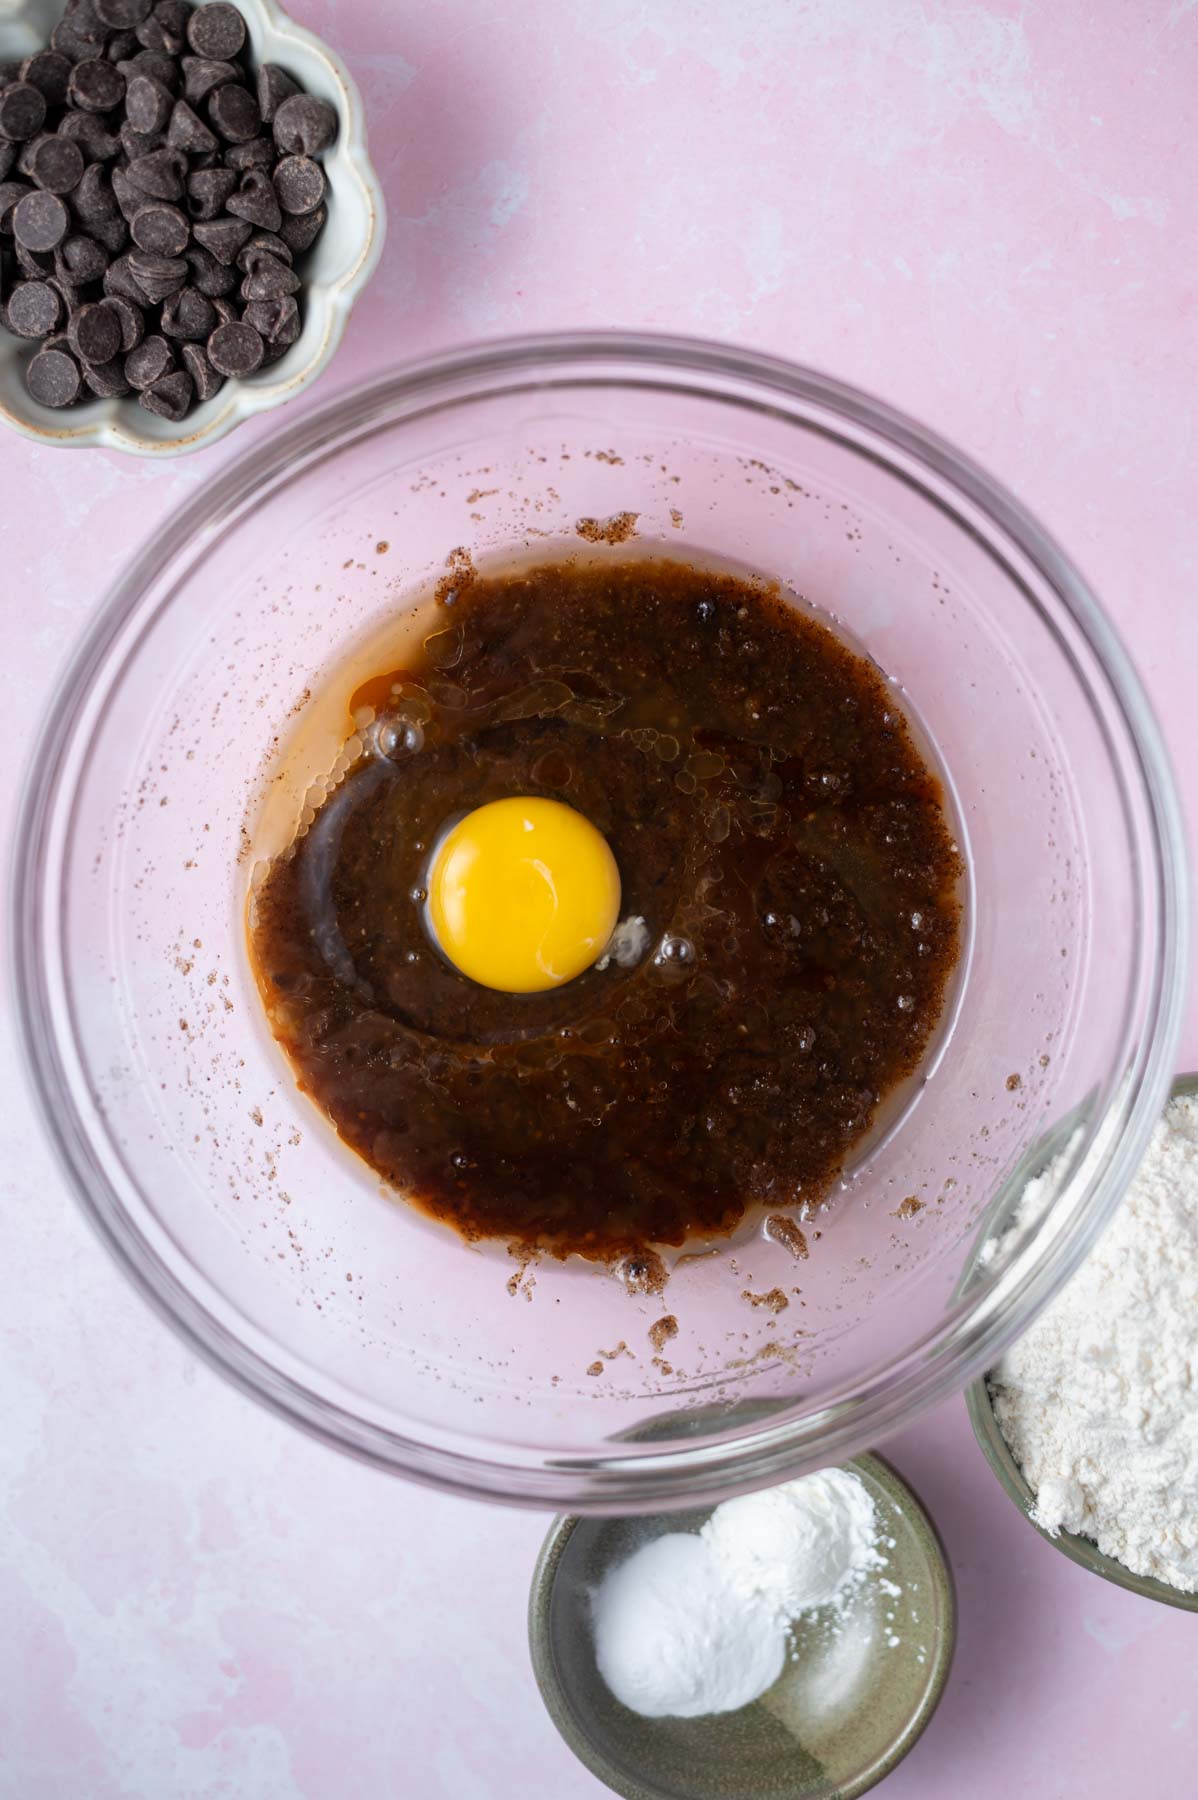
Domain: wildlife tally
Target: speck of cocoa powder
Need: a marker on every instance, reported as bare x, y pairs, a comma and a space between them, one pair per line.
784, 1231
775, 1300
644, 1273
661, 1333
616, 530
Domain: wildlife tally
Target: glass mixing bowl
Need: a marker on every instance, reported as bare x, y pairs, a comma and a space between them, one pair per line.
229, 1201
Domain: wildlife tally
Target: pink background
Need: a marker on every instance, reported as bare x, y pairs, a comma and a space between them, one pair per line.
984, 213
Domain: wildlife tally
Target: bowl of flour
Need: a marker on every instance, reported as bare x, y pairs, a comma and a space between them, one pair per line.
1089, 1419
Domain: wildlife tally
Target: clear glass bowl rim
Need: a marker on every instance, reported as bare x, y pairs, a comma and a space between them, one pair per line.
651, 1473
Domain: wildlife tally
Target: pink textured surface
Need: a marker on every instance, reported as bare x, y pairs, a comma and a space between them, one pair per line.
983, 212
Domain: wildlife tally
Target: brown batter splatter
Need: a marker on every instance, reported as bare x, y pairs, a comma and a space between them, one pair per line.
616, 530
775, 1300
784, 1231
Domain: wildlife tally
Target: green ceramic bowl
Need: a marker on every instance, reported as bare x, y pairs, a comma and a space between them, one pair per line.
1081, 1550
848, 1707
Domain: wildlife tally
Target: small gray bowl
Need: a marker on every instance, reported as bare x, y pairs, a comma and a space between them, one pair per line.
997, 1452
848, 1707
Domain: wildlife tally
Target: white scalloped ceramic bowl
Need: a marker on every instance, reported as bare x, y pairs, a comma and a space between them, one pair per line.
335, 270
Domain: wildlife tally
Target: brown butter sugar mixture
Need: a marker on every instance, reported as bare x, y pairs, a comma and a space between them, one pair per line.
776, 829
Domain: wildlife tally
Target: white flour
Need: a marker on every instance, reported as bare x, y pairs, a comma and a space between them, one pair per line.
693, 1624
1099, 1400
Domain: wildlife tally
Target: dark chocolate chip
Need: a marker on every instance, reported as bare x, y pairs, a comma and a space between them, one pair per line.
49, 71
160, 174
274, 86
34, 309
106, 380
305, 125
227, 311
87, 22
189, 132
190, 315
152, 63
211, 277
137, 144
112, 233
235, 349
57, 165
150, 361
80, 259
92, 197
128, 196
148, 105
263, 243
53, 378
70, 42
10, 193
157, 276
94, 333
132, 321
269, 279
34, 267
275, 321
8, 156
204, 377
224, 237
119, 280
299, 184
272, 352
121, 46
207, 191
123, 15
23, 111
234, 112
256, 200
300, 233
68, 293
216, 30
254, 153
40, 221
91, 134
96, 85
161, 228
25, 154
171, 397
201, 76
166, 27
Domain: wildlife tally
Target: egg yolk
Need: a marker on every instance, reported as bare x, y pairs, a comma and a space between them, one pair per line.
523, 895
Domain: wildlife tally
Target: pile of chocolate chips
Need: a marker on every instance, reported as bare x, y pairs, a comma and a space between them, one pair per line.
154, 198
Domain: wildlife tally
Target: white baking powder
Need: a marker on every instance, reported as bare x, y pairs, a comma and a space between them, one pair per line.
1099, 1400
796, 1546
694, 1624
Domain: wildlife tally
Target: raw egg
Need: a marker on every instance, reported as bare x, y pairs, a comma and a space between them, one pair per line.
523, 894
